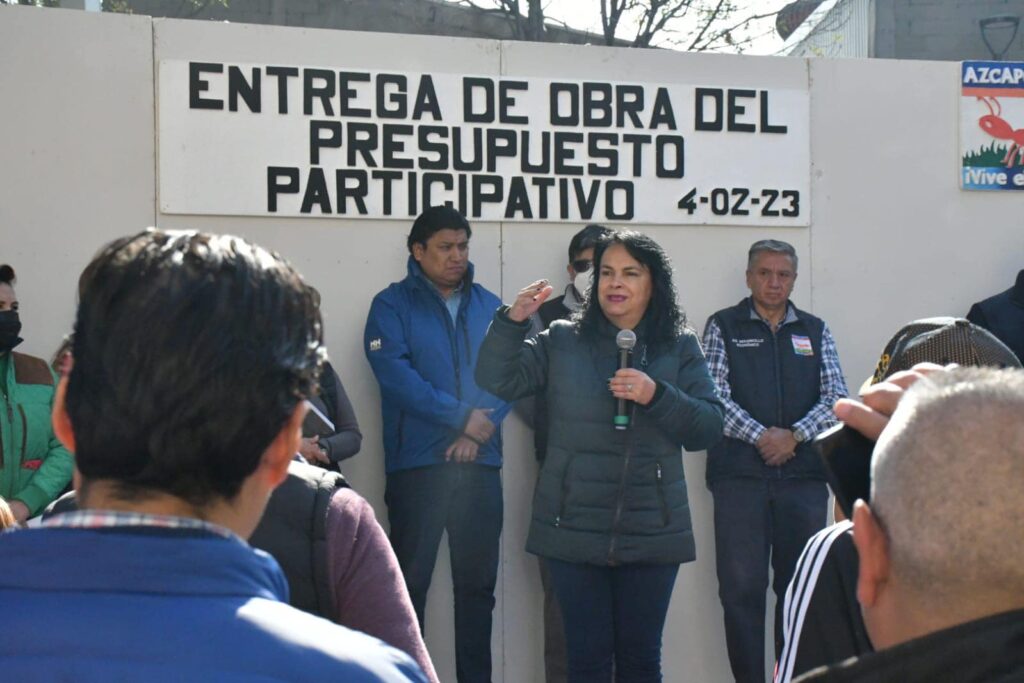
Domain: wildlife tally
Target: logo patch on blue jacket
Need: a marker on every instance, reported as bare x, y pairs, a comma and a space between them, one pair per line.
375, 344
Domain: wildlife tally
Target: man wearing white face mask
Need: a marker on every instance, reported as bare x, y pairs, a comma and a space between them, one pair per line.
581, 259
534, 411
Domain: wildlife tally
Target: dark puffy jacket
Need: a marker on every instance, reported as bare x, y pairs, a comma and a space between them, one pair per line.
549, 312
604, 496
424, 365
1003, 316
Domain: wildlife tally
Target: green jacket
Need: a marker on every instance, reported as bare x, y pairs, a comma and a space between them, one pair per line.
34, 466
607, 497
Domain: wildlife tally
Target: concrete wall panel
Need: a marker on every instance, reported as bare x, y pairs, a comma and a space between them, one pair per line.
76, 144
892, 236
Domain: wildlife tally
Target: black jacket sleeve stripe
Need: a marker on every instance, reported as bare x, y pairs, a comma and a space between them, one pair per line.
800, 592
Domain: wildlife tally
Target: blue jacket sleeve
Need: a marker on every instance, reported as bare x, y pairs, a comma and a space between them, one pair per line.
387, 349
509, 366
501, 408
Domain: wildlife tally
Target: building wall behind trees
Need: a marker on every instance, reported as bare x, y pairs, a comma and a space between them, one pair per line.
946, 30
422, 17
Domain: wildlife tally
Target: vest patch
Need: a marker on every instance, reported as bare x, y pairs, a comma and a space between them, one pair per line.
375, 344
752, 343
802, 345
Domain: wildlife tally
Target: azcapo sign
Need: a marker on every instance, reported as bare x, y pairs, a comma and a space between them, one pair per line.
992, 125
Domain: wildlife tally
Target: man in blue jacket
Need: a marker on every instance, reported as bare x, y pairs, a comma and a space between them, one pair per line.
442, 442
183, 407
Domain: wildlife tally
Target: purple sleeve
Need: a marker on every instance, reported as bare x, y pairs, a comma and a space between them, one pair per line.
367, 587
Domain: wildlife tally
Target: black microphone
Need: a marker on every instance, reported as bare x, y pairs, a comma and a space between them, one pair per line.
625, 340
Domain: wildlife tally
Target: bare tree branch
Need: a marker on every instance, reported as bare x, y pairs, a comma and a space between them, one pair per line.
694, 25
610, 17
707, 24
725, 34
535, 20
657, 15
501, 10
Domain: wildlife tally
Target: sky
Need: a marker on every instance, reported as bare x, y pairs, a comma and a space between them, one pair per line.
586, 15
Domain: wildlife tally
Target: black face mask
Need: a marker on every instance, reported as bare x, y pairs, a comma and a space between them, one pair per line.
10, 326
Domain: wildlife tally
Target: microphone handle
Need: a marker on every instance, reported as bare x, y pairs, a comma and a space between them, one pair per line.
621, 404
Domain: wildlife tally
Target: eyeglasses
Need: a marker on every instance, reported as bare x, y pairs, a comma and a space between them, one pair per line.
582, 265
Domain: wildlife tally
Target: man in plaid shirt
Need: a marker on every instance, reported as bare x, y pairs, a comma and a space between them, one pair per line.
778, 375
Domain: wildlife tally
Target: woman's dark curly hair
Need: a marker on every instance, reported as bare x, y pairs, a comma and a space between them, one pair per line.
665, 319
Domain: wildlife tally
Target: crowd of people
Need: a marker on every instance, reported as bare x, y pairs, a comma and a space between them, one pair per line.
208, 533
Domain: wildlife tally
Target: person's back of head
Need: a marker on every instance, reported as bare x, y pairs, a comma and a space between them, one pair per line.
946, 479
191, 353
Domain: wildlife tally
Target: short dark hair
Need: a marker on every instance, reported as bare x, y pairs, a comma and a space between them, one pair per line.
587, 238
191, 352
775, 247
433, 220
665, 319
7, 275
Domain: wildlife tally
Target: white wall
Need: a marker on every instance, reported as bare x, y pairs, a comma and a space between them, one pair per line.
892, 237
76, 152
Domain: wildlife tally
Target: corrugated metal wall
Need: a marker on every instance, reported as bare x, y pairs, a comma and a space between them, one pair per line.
845, 30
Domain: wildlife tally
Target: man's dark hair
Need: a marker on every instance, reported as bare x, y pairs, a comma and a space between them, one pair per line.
586, 238
433, 220
665, 319
191, 352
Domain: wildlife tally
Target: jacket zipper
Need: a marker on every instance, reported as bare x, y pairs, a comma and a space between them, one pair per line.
778, 385
10, 422
453, 343
450, 328
778, 373
401, 428
621, 499
565, 493
24, 432
661, 495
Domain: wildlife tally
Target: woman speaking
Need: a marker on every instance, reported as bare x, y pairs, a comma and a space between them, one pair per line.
610, 512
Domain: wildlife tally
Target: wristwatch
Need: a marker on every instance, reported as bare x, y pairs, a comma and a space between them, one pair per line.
798, 436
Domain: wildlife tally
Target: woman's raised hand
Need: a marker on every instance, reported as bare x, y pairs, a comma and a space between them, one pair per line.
529, 300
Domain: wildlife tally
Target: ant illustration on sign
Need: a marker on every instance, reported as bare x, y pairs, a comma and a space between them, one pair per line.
996, 126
